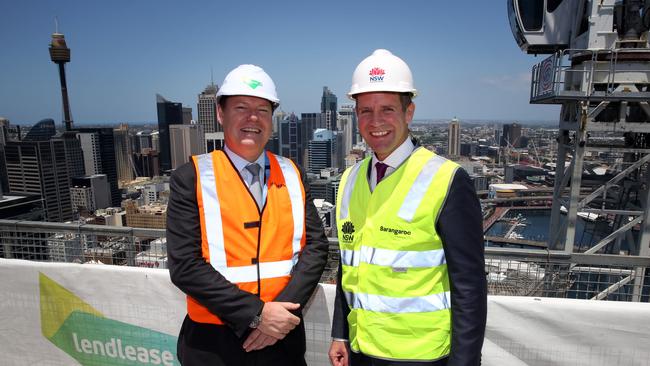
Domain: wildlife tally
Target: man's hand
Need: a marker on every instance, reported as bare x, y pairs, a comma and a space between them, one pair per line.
258, 340
277, 320
338, 353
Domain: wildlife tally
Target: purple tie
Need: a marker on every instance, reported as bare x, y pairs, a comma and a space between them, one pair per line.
381, 170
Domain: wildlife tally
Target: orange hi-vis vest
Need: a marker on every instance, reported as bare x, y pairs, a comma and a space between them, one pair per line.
254, 250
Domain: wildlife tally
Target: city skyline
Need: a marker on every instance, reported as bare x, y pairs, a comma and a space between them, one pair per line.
464, 59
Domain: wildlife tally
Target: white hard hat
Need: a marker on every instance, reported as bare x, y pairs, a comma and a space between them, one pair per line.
249, 80
382, 72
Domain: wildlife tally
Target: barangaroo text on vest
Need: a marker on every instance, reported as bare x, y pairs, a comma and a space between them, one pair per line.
394, 231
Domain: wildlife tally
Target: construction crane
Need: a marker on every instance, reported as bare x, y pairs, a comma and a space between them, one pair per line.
598, 70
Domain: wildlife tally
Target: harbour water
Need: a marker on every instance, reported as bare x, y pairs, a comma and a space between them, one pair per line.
533, 224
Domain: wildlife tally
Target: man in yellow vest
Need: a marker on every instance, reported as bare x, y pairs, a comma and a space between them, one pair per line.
411, 288
245, 242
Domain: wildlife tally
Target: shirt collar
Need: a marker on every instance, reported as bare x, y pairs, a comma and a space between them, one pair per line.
398, 156
241, 163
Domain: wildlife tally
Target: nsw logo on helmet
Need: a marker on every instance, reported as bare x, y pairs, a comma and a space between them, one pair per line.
377, 74
348, 232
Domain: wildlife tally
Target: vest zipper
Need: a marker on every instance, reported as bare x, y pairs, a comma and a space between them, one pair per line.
257, 256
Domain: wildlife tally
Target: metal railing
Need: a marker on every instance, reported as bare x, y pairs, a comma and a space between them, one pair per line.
575, 74
517, 272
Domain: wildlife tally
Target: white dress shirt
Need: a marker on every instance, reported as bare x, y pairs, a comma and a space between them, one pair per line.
394, 160
240, 165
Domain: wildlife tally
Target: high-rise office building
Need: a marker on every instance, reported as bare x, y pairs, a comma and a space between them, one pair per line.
185, 141
74, 155
91, 192
511, 135
107, 158
147, 163
155, 140
39, 167
207, 109
348, 110
278, 117
322, 150
291, 139
123, 154
42, 131
453, 140
143, 141
91, 152
213, 141
134, 143
328, 108
187, 115
45, 130
309, 122
333, 188
169, 113
346, 130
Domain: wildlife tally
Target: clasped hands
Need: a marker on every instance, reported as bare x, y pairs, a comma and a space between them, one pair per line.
277, 320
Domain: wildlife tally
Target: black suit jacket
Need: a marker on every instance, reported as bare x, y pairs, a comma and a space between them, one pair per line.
197, 278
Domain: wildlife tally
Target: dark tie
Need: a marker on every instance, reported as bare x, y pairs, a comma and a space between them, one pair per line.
381, 170
255, 186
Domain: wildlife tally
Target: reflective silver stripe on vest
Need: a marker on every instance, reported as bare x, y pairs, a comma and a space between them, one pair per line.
393, 258
297, 203
402, 259
347, 191
211, 212
419, 188
394, 305
350, 257
249, 273
214, 226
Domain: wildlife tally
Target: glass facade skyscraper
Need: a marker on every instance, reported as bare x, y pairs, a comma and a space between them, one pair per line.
169, 113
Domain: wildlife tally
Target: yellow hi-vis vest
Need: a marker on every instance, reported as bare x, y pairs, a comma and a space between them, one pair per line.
395, 276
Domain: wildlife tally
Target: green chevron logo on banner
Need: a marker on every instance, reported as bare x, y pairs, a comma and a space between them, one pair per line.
92, 339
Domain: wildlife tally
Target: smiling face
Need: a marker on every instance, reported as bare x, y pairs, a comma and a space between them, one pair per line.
247, 124
383, 122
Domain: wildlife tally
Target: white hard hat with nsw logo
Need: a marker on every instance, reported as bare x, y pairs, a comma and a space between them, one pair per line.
382, 72
249, 80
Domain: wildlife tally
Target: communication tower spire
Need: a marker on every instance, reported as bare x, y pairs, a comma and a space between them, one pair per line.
60, 55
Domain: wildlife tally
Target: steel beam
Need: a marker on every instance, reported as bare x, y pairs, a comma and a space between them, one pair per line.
554, 233
620, 231
644, 242
603, 294
576, 178
614, 180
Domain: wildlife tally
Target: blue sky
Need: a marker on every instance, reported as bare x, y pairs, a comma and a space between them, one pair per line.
463, 56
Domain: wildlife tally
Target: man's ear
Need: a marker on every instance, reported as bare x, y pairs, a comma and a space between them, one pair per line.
219, 114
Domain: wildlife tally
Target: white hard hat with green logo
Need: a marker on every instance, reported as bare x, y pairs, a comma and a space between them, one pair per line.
249, 80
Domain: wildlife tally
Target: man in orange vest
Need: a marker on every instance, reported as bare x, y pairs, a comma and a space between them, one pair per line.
245, 242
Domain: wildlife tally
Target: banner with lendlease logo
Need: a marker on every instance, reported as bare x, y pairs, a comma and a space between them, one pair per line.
93, 339
103, 316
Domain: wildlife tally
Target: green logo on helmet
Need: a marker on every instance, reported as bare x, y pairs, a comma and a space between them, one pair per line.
252, 83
